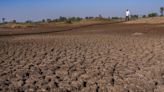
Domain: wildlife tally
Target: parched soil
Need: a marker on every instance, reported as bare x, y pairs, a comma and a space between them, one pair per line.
122, 60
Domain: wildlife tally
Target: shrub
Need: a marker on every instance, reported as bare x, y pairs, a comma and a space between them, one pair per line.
14, 21
89, 17
162, 11
68, 21
75, 19
3, 20
49, 20
134, 16
43, 20
152, 15
28, 21
62, 19
114, 18
144, 16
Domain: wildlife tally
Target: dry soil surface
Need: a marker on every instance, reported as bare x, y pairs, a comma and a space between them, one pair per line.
83, 61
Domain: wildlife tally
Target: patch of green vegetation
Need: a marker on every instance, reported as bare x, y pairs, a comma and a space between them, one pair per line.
152, 15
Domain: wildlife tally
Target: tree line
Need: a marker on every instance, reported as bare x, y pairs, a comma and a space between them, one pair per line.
77, 19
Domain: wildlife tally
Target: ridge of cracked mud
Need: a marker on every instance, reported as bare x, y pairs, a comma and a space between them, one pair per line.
83, 63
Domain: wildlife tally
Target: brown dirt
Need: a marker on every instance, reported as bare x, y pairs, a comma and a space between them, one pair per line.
105, 58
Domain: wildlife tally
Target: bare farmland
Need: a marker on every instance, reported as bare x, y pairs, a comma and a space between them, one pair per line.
84, 62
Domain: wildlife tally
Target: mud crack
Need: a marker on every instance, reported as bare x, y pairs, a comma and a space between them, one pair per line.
113, 74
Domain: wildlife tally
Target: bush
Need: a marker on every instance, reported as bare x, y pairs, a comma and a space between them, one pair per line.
43, 20
49, 20
115, 18
152, 15
134, 16
162, 11
89, 17
62, 19
14, 21
28, 21
144, 16
68, 21
75, 19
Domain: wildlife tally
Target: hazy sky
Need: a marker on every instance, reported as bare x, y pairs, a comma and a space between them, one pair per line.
22, 10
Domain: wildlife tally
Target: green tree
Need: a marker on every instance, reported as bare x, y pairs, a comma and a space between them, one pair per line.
14, 21
75, 19
49, 20
115, 18
144, 16
78, 19
100, 16
68, 21
43, 20
29, 21
89, 17
162, 11
62, 19
3, 20
134, 16
152, 15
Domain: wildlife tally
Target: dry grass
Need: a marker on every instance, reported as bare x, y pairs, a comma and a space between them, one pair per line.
153, 20
17, 25
52, 24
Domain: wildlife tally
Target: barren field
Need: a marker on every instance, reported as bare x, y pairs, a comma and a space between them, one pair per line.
112, 58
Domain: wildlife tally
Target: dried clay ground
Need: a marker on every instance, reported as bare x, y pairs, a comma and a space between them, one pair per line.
101, 58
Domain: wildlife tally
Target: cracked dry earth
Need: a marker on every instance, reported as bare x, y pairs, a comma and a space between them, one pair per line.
82, 63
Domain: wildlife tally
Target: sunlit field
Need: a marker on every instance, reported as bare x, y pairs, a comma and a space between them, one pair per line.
101, 57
